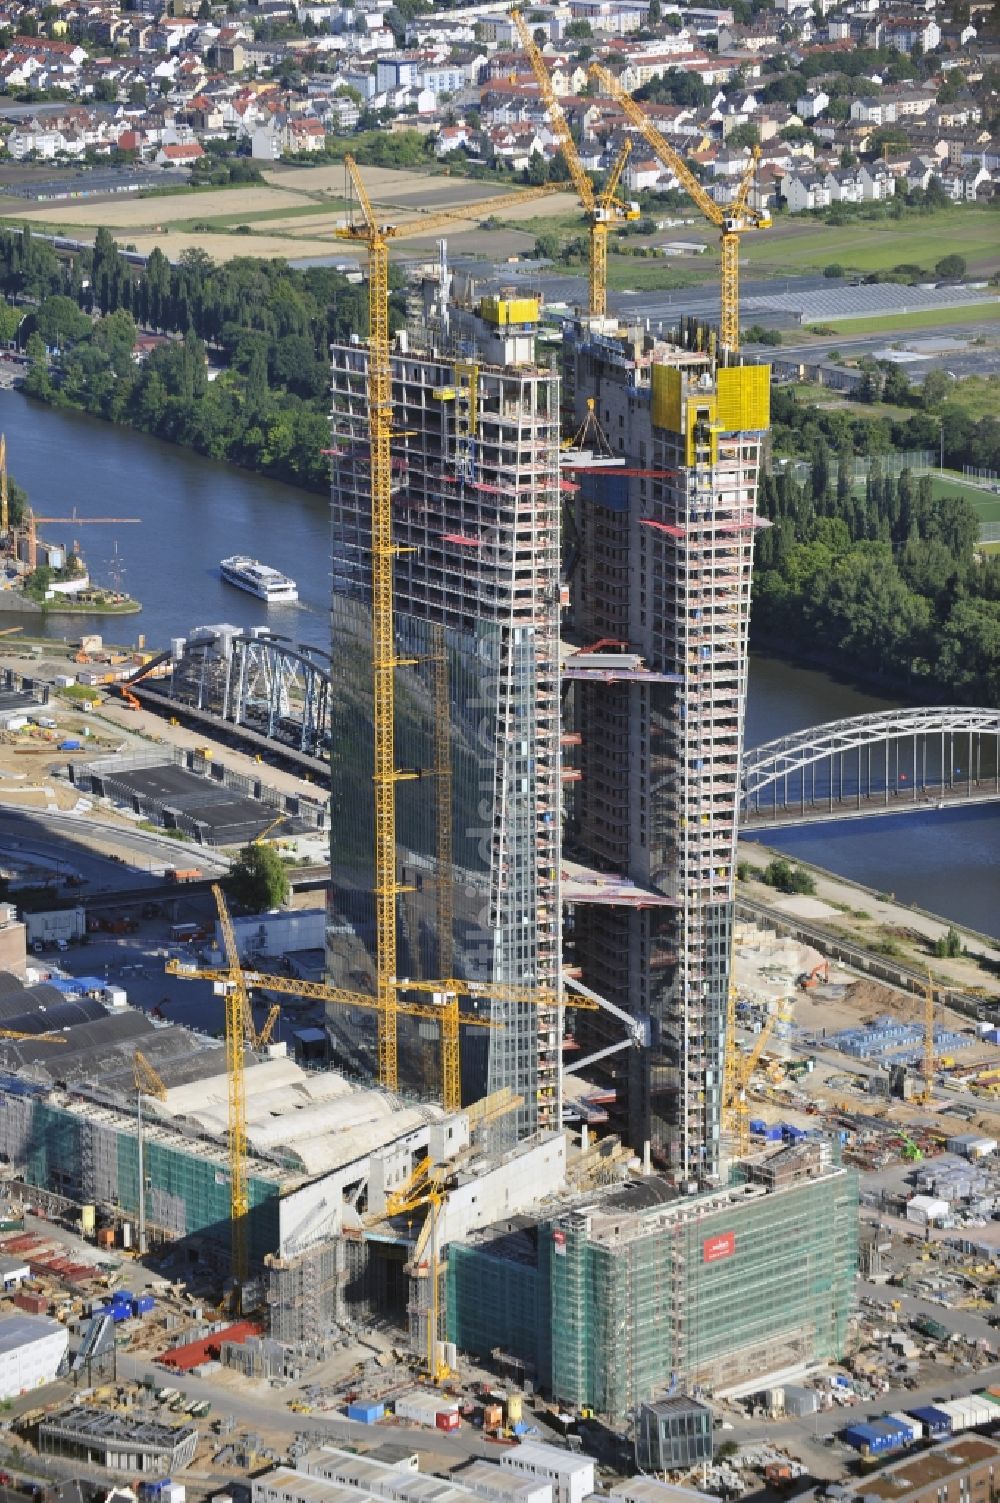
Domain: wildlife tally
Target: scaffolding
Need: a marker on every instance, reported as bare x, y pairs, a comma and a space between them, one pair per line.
665, 553
710, 1293
305, 1294
476, 520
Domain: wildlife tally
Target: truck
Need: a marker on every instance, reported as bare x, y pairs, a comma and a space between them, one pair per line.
184, 874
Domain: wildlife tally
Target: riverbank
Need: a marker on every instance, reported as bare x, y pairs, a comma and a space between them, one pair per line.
16, 603
878, 922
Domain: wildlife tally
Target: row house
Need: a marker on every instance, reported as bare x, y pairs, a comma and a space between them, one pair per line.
903, 34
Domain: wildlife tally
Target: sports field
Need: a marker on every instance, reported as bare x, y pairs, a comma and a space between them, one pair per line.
975, 314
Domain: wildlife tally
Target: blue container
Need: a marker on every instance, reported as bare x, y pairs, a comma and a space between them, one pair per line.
935, 1422
366, 1414
775, 1133
118, 1313
858, 1437
123, 1297
887, 1422
893, 1432
758, 1127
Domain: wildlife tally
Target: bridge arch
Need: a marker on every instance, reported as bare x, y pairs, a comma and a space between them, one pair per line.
867, 762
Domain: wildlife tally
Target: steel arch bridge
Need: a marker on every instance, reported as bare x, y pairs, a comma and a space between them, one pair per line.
258, 683
894, 761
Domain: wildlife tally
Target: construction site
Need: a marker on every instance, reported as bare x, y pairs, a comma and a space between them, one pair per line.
570, 1120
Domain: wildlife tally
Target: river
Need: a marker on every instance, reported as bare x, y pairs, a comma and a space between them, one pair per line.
195, 512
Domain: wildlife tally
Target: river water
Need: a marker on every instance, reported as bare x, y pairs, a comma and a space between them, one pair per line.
195, 512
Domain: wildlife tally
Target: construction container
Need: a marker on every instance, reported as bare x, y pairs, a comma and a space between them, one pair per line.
143, 1304
365, 1414
935, 1423
514, 1408
492, 1417
869, 1440
34, 1304
105, 1236
123, 1297
914, 1426
956, 1413
900, 1427
419, 1407
447, 1419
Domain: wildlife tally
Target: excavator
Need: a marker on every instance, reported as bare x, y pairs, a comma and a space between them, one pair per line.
809, 979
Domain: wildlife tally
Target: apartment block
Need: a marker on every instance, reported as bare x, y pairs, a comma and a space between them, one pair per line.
660, 559
476, 516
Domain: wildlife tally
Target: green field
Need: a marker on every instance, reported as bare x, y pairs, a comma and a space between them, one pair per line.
926, 318
799, 244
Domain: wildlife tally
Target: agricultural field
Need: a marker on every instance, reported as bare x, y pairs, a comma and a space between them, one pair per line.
799, 245
293, 214
967, 316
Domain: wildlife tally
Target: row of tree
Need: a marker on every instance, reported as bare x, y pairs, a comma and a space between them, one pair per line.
264, 326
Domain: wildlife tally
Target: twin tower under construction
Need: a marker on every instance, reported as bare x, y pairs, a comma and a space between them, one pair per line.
571, 636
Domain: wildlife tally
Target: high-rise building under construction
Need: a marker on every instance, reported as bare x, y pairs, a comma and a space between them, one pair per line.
476, 519
660, 560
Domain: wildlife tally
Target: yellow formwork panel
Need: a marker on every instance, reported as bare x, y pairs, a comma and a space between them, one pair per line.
510, 310
744, 397
666, 397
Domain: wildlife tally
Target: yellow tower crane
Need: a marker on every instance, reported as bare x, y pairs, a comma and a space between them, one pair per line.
732, 219
147, 1083
385, 661
4, 495
735, 1107
927, 1095
602, 209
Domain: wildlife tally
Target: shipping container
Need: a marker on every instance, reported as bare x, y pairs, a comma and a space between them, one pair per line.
365, 1413
34, 1304
492, 1417
901, 1427
914, 1426
891, 1433
143, 1304
447, 1419
864, 1439
956, 1414
936, 1424
419, 1407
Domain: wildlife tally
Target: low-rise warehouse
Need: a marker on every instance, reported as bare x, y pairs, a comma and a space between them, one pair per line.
67, 1123
116, 1442
31, 1349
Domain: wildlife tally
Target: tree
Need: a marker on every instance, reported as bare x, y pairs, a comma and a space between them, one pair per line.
950, 267
60, 322
834, 271
257, 879
579, 31
655, 13
742, 136
934, 389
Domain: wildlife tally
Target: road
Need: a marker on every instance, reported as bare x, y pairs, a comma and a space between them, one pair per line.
269, 1415
88, 844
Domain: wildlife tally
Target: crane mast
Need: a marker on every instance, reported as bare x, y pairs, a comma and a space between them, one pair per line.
601, 210
732, 220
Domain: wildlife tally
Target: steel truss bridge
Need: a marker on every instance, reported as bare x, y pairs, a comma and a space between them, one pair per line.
275, 696
267, 689
894, 762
